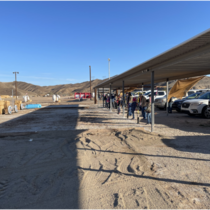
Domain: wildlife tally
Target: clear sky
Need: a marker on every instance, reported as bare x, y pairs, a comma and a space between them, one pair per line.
53, 43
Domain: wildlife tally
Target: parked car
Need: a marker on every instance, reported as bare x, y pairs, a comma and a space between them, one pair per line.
136, 94
178, 103
161, 102
157, 94
197, 106
208, 109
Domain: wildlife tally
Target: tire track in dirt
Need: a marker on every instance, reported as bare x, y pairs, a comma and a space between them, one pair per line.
114, 166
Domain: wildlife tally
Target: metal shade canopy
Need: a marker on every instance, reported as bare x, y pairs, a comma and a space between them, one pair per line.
189, 59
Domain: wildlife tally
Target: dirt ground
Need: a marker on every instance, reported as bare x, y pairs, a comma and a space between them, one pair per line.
80, 155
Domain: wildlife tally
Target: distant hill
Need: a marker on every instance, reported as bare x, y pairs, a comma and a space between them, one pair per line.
69, 89
30, 89
7, 87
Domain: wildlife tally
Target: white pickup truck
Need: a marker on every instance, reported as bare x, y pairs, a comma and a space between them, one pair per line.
199, 106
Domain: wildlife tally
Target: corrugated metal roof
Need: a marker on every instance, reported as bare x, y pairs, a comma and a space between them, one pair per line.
190, 58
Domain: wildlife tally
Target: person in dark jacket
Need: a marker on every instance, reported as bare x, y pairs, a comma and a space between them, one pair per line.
128, 98
170, 105
118, 104
105, 96
144, 107
133, 107
108, 101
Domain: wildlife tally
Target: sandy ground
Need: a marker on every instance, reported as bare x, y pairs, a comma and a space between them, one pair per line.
80, 155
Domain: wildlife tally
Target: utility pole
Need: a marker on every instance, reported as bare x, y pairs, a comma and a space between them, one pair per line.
13, 97
90, 81
109, 67
16, 82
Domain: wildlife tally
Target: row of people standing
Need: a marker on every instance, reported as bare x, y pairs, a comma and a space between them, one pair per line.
145, 106
115, 100
132, 103
142, 104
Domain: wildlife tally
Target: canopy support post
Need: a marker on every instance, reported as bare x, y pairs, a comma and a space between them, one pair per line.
167, 96
103, 97
153, 108
142, 88
110, 99
123, 105
97, 97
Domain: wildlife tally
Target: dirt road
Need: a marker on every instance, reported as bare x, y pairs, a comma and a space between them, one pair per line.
57, 158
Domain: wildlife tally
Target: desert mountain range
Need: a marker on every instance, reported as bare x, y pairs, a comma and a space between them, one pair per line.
69, 89
30, 89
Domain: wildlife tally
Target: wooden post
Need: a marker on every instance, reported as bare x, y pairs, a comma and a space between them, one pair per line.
16, 82
95, 101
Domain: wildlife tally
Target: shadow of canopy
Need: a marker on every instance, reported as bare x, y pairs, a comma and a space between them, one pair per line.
193, 144
38, 160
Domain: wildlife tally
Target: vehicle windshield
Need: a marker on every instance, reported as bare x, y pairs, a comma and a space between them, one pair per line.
205, 96
160, 93
194, 95
190, 92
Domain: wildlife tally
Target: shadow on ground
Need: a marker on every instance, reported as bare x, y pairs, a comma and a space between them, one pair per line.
193, 144
40, 170
38, 167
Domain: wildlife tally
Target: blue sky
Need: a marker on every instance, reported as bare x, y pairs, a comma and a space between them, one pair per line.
53, 43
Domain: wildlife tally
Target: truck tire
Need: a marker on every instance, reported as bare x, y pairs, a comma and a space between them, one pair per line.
164, 107
206, 113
